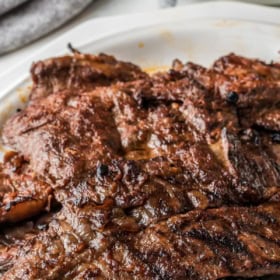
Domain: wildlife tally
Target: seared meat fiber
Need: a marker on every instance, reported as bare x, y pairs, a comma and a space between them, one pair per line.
80, 72
249, 84
64, 134
207, 244
170, 176
255, 82
16, 240
214, 243
22, 193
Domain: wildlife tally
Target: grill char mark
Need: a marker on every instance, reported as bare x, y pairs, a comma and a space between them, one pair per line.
160, 139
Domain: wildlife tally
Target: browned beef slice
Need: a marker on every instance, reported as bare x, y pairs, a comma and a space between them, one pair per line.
251, 166
246, 83
214, 243
80, 72
60, 253
15, 240
123, 157
111, 123
255, 82
22, 193
204, 244
62, 135
262, 118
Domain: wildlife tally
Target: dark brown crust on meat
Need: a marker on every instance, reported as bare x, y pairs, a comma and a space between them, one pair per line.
207, 244
213, 244
16, 239
80, 72
137, 162
22, 194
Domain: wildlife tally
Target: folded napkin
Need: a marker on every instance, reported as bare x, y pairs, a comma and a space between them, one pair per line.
23, 21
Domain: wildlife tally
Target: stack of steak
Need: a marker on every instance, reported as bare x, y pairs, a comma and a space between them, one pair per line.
117, 174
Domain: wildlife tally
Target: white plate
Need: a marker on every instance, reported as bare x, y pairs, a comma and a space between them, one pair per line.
200, 40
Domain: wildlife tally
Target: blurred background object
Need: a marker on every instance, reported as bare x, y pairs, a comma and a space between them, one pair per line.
167, 3
7, 5
23, 21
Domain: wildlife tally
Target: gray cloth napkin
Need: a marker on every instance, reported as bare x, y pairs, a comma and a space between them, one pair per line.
33, 19
7, 5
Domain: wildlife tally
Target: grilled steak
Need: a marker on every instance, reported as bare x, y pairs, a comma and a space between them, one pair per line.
80, 72
203, 244
22, 193
214, 243
16, 240
137, 162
